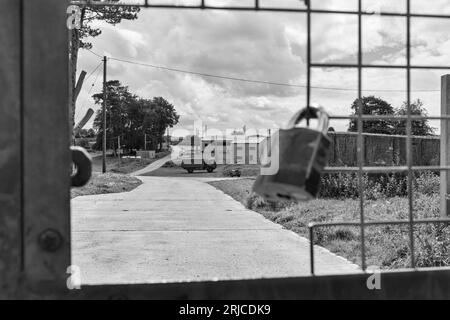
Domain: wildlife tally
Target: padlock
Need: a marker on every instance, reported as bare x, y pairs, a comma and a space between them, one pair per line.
301, 154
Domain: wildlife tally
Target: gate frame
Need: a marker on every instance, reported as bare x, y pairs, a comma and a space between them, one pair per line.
35, 226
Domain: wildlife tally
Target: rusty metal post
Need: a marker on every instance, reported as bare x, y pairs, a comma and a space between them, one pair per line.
445, 145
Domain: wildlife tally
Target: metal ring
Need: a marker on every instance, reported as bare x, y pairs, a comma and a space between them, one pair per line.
82, 160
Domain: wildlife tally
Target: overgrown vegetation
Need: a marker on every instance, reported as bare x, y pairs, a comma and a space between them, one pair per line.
376, 186
386, 246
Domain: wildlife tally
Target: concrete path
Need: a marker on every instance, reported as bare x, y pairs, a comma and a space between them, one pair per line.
180, 229
152, 166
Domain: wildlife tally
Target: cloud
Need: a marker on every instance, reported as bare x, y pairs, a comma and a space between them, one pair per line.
263, 46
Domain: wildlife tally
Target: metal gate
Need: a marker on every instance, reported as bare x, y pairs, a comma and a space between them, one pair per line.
37, 211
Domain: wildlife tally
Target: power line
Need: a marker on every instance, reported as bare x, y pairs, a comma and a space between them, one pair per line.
90, 74
250, 80
90, 89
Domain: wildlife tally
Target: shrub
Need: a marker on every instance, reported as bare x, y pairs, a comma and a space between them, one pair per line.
227, 172
376, 186
254, 201
84, 143
169, 164
428, 183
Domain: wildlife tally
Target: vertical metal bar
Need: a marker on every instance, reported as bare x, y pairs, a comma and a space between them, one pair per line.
311, 247
104, 116
445, 145
360, 141
11, 220
256, 4
409, 132
308, 58
46, 177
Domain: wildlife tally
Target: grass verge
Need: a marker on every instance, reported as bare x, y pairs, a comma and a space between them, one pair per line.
386, 246
106, 183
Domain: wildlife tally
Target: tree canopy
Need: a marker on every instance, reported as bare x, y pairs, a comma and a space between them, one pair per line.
418, 127
79, 37
375, 106
130, 117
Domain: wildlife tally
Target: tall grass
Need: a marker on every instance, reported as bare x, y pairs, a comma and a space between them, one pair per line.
376, 186
387, 246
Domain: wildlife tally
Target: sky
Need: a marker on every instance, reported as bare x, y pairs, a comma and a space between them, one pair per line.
269, 47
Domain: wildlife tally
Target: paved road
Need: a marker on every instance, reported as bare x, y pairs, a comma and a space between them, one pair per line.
179, 229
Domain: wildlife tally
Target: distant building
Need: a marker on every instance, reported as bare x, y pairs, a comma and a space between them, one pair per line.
235, 149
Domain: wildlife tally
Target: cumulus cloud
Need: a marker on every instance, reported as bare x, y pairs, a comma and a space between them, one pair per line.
269, 47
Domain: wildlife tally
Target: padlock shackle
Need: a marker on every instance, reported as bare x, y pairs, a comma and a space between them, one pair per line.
311, 113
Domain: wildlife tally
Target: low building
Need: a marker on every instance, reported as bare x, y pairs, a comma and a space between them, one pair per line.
235, 149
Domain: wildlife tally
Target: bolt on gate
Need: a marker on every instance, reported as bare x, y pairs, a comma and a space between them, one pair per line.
398, 284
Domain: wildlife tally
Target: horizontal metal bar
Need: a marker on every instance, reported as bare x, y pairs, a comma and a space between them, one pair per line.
146, 4
376, 66
375, 223
389, 117
385, 169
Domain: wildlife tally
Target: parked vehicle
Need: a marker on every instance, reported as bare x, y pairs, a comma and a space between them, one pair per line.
190, 164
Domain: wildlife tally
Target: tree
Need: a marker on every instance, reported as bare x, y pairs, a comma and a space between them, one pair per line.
110, 14
376, 107
418, 127
117, 120
130, 117
159, 117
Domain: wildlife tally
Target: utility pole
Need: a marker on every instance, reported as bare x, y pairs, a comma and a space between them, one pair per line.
118, 149
104, 115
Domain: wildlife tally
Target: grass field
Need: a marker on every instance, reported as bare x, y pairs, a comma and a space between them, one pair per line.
387, 246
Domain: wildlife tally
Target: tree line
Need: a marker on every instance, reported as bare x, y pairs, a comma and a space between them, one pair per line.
131, 117
374, 106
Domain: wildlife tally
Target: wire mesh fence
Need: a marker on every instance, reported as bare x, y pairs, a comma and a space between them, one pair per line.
307, 7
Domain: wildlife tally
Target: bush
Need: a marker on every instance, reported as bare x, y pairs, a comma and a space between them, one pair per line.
254, 201
428, 183
169, 164
84, 143
376, 186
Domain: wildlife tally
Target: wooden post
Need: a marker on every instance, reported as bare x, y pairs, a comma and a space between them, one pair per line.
445, 145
